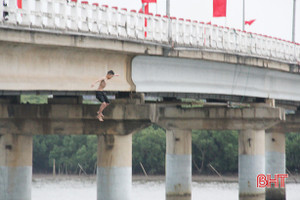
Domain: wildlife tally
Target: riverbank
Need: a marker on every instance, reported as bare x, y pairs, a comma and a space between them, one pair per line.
196, 178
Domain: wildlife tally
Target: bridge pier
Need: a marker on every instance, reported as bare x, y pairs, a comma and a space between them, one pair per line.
251, 163
178, 164
15, 167
275, 162
275, 152
114, 167
251, 122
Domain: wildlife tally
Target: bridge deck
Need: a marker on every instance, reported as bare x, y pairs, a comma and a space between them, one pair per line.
58, 16
54, 47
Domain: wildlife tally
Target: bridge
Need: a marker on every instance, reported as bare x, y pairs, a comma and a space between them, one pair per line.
59, 48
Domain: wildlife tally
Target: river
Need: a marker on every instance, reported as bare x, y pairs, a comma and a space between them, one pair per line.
84, 188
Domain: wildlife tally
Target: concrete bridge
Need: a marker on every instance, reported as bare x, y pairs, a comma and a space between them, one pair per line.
59, 48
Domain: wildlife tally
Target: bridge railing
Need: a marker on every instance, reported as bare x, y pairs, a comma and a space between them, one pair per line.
121, 24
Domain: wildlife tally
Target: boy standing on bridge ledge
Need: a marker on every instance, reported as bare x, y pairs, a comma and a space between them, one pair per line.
101, 95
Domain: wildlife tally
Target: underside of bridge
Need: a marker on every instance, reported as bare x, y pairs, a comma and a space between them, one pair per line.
125, 116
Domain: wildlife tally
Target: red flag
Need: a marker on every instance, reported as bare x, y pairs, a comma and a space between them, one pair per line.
149, 1
19, 3
146, 9
219, 8
250, 22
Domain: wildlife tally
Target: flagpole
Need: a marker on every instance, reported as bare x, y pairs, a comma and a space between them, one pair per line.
226, 16
168, 8
243, 15
294, 21
169, 20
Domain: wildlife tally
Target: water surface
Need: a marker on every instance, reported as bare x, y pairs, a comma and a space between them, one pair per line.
83, 188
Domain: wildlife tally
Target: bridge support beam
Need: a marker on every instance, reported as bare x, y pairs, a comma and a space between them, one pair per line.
15, 167
251, 163
114, 171
275, 162
178, 165
251, 142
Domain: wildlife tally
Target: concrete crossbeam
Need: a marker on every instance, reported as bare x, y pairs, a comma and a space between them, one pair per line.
291, 124
72, 119
216, 118
124, 118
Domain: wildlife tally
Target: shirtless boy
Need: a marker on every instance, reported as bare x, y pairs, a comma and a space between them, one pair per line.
100, 94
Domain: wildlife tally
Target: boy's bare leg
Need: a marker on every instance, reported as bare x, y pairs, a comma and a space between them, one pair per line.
102, 107
98, 112
100, 118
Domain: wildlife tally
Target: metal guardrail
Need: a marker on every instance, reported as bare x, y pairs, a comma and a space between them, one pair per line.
122, 24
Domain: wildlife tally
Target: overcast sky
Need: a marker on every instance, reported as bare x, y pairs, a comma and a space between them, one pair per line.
273, 17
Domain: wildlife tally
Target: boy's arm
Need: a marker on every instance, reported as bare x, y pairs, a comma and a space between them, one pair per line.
101, 79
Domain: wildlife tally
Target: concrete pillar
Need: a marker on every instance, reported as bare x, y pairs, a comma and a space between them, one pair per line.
178, 165
114, 167
275, 162
15, 167
251, 163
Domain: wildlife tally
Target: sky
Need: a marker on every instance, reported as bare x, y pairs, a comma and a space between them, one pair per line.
273, 17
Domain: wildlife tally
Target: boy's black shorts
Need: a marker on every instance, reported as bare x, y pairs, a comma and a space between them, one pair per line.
101, 96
